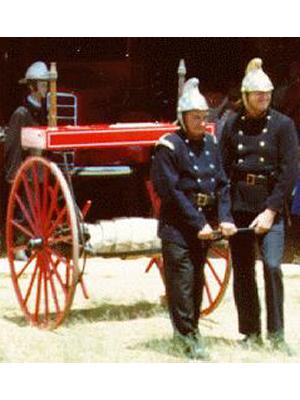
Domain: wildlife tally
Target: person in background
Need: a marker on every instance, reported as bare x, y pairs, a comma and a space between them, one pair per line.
188, 177
289, 99
230, 104
31, 113
259, 151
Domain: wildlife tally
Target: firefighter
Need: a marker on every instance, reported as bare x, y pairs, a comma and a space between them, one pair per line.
187, 175
259, 151
31, 113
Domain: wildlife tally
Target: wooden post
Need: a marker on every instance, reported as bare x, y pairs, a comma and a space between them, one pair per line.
52, 116
181, 76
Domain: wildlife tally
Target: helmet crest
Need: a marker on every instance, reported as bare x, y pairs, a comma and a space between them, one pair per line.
255, 78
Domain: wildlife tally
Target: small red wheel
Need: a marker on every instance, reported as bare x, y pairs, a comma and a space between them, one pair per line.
42, 222
217, 271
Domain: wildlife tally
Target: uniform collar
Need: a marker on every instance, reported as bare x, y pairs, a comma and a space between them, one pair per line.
183, 136
245, 117
31, 100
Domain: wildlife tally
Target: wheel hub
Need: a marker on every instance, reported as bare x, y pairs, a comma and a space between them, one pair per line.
35, 244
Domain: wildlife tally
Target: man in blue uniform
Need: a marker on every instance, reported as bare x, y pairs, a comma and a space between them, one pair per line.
259, 150
188, 176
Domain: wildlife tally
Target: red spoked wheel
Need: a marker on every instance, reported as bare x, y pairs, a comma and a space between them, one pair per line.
216, 276
42, 222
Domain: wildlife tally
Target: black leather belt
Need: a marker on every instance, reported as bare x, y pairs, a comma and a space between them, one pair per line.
252, 179
204, 200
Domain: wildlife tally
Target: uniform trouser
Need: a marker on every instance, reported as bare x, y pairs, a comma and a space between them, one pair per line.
271, 246
184, 284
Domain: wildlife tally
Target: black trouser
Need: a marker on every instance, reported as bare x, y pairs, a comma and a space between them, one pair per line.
271, 246
184, 284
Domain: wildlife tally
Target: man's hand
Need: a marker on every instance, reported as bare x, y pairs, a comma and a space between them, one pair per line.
228, 229
206, 233
263, 222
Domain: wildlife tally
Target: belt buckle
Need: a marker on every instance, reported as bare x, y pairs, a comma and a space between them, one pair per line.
202, 199
250, 179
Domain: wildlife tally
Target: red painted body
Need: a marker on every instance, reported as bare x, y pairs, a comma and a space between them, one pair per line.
117, 144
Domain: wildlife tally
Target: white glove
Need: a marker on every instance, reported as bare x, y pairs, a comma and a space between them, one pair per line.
263, 222
228, 229
206, 233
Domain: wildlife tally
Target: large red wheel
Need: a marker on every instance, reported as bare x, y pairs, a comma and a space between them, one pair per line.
216, 276
41, 220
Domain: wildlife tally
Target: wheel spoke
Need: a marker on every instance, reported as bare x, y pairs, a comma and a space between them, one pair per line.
68, 268
54, 266
220, 253
25, 213
31, 258
45, 279
37, 190
21, 228
208, 292
38, 294
45, 191
58, 221
214, 272
31, 283
54, 294
53, 194
62, 258
61, 239
52, 284
28, 191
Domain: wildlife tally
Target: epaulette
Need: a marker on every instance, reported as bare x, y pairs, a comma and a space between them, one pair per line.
163, 141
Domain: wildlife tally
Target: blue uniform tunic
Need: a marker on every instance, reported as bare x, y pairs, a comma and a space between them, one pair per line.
268, 147
181, 168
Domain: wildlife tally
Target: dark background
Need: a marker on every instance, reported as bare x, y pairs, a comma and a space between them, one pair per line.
219, 63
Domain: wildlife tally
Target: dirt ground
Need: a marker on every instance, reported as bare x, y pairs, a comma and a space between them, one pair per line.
123, 321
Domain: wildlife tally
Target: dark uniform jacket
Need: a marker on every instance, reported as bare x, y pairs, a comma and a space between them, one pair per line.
267, 148
27, 115
181, 169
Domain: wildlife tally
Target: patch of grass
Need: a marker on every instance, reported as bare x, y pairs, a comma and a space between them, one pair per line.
165, 346
170, 347
219, 349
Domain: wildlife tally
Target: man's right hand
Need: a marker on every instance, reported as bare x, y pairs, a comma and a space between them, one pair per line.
206, 233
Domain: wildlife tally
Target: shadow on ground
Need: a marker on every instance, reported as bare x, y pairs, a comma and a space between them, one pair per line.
104, 312
169, 347
116, 312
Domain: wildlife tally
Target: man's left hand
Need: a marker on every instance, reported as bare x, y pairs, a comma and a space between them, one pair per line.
263, 222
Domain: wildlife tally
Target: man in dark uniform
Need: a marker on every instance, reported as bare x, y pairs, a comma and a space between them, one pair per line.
188, 176
31, 113
259, 150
